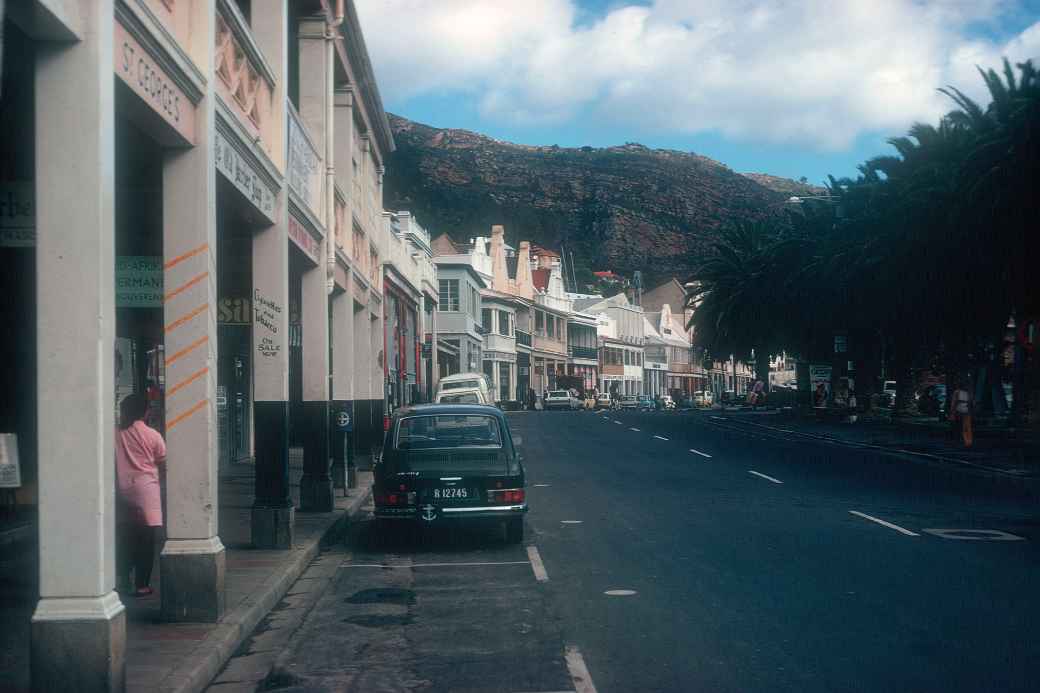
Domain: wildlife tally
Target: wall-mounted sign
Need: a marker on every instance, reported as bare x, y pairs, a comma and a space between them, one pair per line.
237, 170
139, 71
139, 281
303, 239
304, 172
17, 215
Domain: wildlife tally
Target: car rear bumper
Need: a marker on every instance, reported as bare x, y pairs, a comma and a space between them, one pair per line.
451, 514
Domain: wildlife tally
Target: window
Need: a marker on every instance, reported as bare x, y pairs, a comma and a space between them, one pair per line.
550, 321
503, 323
539, 322
474, 302
449, 299
628, 357
503, 380
486, 318
448, 431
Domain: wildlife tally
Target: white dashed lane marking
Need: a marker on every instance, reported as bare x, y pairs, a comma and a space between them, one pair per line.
901, 530
634, 429
536, 564
579, 672
660, 437
765, 476
702, 454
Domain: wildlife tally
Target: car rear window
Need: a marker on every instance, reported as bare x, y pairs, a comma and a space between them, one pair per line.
461, 385
558, 393
441, 431
461, 398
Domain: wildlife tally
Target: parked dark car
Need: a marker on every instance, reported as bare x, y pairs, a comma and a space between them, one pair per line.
449, 463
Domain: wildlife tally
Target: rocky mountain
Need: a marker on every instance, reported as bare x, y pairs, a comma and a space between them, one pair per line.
623, 208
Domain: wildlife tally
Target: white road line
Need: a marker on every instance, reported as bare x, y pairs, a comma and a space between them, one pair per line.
765, 476
702, 454
660, 437
579, 672
897, 528
430, 565
542, 485
618, 422
536, 564
634, 429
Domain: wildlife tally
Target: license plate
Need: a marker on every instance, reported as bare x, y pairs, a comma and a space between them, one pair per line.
450, 493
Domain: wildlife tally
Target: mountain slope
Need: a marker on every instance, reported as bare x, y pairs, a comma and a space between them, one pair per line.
624, 208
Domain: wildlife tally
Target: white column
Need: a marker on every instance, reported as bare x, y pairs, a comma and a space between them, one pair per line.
192, 560
79, 626
272, 515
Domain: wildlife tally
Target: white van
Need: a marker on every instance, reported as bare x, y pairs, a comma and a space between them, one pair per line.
465, 381
467, 396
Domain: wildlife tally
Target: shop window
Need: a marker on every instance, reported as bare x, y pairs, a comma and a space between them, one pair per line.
449, 295
503, 381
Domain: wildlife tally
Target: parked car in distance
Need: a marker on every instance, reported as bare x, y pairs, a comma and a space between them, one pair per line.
647, 403
603, 401
474, 396
629, 401
703, 398
667, 402
888, 394
466, 381
561, 399
450, 463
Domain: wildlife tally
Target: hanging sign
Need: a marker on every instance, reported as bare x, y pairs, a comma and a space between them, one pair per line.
236, 169
139, 281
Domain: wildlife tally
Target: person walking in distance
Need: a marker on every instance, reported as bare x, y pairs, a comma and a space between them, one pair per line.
140, 450
961, 411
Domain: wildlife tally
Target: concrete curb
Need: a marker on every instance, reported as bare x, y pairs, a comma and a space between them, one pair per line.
219, 646
1027, 484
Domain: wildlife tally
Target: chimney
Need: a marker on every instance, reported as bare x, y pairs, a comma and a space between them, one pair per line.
499, 272
524, 285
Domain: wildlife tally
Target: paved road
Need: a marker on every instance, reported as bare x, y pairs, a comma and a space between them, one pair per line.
756, 563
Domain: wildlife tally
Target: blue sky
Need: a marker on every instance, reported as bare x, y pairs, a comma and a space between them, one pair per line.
791, 88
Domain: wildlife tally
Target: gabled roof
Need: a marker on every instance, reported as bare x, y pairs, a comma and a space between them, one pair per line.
539, 250
670, 292
443, 245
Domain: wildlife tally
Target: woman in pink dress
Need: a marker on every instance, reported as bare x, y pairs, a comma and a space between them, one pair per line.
139, 452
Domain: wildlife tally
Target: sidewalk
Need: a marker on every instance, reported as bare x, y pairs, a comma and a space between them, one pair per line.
997, 452
185, 657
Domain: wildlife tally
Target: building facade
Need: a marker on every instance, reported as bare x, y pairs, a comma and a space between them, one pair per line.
199, 187
459, 325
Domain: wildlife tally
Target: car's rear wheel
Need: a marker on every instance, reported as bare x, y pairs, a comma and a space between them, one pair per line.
515, 530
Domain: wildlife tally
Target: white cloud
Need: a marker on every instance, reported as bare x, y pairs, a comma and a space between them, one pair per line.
812, 72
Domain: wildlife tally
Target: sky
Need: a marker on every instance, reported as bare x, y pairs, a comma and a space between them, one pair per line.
788, 87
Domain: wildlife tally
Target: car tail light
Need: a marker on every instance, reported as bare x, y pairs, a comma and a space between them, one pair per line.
386, 424
510, 495
397, 498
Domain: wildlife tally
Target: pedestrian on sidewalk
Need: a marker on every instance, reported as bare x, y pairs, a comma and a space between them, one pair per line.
962, 408
140, 450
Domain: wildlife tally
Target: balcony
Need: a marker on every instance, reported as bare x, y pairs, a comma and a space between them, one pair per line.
305, 170
581, 352
246, 82
523, 338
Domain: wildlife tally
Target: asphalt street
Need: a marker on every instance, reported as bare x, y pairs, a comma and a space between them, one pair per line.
685, 552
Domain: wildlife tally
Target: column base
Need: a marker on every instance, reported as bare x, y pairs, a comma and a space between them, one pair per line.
272, 528
79, 644
192, 572
317, 494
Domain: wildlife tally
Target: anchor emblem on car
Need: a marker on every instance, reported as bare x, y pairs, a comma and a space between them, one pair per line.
429, 513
